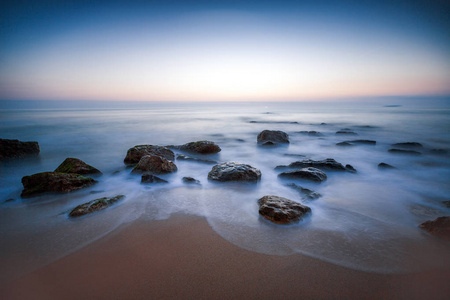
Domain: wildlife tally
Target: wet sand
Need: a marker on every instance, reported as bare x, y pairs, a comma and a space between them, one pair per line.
183, 258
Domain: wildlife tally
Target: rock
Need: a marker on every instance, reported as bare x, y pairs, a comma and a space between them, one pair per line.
17, 149
310, 173
325, 164
232, 171
401, 151
307, 194
314, 133
385, 166
345, 144
272, 137
77, 166
410, 145
94, 205
201, 147
446, 203
53, 182
154, 164
346, 131
350, 168
135, 154
281, 210
365, 142
201, 160
190, 180
439, 227
149, 178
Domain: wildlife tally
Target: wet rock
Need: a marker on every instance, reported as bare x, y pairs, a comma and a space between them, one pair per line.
344, 144
401, 151
410, 145
439, 227
53, 182
190, 180
325, 164
17, 149
281, 210
310, 173
201, 147
135, 154
201, 160
150, 178
312, 133
307, 194
346, 131
94, 205
350, 168
154, 164
272, 137
385, 166
232, 171
365, 142
77, 166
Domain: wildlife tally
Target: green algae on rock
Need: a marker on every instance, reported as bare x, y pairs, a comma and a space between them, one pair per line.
77, 166
94, 205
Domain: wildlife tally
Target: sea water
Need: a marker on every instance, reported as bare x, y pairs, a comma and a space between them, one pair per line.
366, 220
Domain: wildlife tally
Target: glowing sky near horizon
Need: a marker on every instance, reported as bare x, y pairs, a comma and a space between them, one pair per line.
223, 50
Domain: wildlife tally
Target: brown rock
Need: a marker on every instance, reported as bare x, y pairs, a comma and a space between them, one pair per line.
281, 210
439, 227
135, 154
154, 164
77, 166
17, 149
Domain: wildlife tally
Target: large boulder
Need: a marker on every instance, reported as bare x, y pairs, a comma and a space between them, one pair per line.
311, 174
439, 227
232, 171
154, 164
17, 149
77, 166
201, 147
94, 205
281, 210
135, 154
272, 137
324, 164
53, 182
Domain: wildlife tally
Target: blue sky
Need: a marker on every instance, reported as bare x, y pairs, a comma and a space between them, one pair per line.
223, 50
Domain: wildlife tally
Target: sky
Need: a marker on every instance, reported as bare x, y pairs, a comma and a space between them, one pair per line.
223, 50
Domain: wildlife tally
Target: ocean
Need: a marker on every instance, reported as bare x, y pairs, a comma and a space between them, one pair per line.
366, 220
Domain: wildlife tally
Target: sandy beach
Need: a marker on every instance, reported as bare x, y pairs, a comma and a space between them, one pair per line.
183, 258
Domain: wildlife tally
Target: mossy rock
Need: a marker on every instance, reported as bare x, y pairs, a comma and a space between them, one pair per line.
77, 166
44, 182
94, 205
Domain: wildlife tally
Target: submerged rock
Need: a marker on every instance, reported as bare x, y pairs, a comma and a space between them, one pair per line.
446, 203
312, 132
53, 182
135, 154
94, 205
408, 145
325, 164
149, 178
272, 137
439, 227
401, 151
232, 171
190, 180
345, 144
439, 151
310, 173
154, 164
17, 149
346, 131
201, 147
365, 142
385, 166
201, 160
281, 210
77, 166
307, 194
350, 168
